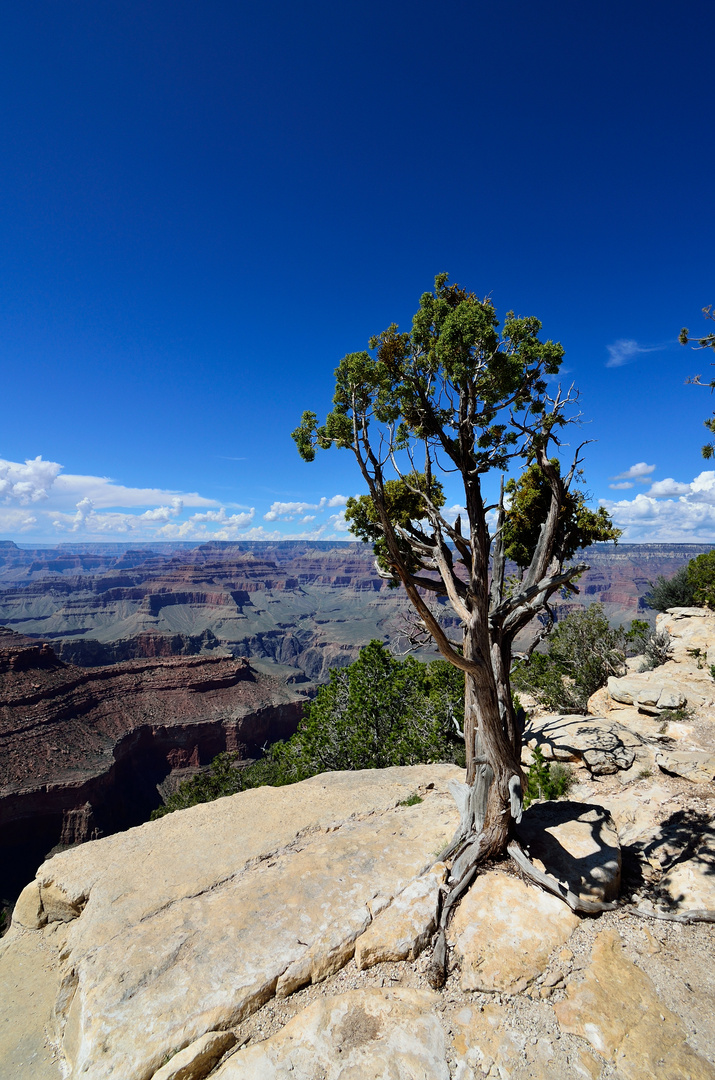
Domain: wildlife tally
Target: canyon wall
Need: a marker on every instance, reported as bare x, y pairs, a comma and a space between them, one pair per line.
82, 751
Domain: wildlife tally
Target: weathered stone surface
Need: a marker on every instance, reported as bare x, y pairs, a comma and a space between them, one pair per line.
504, 931
604, 745
663, 688
28, 908
29, 984
196, 1061
599, 703
690, 629
695, 765
691, 882
488, 1042
361, 1035
187, 924
635, 812
616, 1008
578, 844
402, 930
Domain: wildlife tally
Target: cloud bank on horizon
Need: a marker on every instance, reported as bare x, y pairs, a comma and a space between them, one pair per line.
41, 503
38, 500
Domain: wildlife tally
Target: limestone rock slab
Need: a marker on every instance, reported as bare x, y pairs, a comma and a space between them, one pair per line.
196, 1061
635, 812
504, 931
29, 983
617, 1009
488, 1042
360, 1035
603, 744
669, 686
577, 843
691, 882
188, 924
402, 930
695, 765
689, 629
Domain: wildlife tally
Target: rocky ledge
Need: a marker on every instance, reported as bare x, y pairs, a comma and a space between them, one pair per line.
82, 751
279, 933
283, 934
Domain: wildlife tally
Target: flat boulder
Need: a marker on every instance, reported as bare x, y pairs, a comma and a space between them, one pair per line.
403, 929
366, 1034
617, 1009
577, 843
603, 745
504, 932
697, 766
690, 882
187, 925
666, 687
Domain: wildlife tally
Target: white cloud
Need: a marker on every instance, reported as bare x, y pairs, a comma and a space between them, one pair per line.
14, 520
338, 522
105, 493
27, 483
664, 489
640, 472
288, 511
40, 502
622, 486
626, 350
450, 513
670, 512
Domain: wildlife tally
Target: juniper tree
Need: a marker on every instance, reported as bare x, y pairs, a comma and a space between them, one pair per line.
459, 395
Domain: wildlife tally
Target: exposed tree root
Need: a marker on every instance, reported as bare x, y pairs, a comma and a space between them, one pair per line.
694, 916
546, 881
464, 870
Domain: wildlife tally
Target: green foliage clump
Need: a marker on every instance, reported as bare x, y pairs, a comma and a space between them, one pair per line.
582, 652
546, 781
404, 506
377, 712
529, 498
701, 578
411, 800
676, 591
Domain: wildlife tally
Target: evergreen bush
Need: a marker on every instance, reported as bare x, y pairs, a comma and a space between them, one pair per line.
676, 591
582, 652
377, 712
701, 578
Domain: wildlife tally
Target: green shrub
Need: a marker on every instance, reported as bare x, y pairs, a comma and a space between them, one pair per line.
375, 713
582, 652
676, 591
547, 781
701, 578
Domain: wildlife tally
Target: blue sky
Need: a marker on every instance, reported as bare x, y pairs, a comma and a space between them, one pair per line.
203, 207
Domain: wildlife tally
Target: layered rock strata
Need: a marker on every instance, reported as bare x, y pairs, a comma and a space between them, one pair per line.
82, 751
